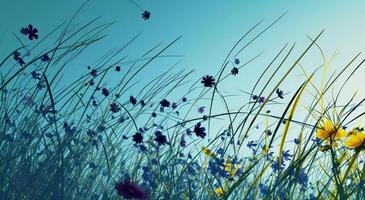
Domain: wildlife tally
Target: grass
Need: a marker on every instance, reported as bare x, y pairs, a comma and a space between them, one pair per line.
64, 140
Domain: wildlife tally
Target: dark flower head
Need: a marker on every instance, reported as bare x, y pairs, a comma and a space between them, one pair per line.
17, 58
199, 131
94, 72
130, 190
154, 114
261, 99
183, 142
234, 71
35, 75
160, 138
117, 68
30, 31
236, 61
164, 103
146, 14
105, 92
208, 81
201, 109
45, 58
133, 100
254, 97
280, 93
114, 107
184, 99
138, 138
174, 105
143, 103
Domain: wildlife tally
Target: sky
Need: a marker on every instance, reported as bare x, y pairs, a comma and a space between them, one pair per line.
209, 29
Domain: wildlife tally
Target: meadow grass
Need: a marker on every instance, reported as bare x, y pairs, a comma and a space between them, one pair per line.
87, 140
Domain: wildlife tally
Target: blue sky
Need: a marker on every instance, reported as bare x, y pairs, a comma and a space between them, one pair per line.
209, 28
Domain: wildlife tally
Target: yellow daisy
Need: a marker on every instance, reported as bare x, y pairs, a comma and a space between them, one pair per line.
355, 140
329, 131
219, 191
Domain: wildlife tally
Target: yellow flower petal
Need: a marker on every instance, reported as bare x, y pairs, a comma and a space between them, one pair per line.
355, 140
219, 191
328, 126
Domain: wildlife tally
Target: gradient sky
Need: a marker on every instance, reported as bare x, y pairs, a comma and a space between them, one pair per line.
209, 29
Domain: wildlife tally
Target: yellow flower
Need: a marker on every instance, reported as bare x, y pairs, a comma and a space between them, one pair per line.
219, 191
330, 132
355, 140
207, 151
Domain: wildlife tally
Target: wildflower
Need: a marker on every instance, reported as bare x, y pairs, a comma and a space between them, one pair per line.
45, 58
234, 71
184, 99
261, 100
105, 92
114, 107
160, 138
296, 141
201, 109
17, 58
94, 73
355, 140
219, 191
174, 105
164, 103
199, 131
35, 75
153, 114
183, 142
254, 97
146, 15
117, 68
236, 61
130, 190
207, 152
330, 132
137, 138
286, 155
280, 93
143, 104
251, 145
30, 31
133, 100
208, 81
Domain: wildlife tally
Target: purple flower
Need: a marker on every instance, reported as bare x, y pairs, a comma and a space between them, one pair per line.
234, 71
133, 100
30, 31
201, 109
174, 105
114, 107
199, 131
146, 15
236, 61
94, 72
208, 81
45, 58
117, 68
130, 190
105, 92
137, 138
280, 93
17, 58
160, 138
261, 99
164, 103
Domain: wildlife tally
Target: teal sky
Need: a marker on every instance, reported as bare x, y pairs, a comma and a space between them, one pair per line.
209, 29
